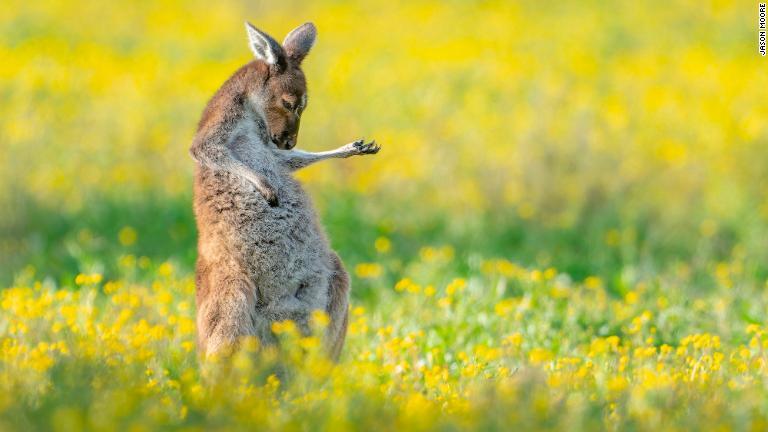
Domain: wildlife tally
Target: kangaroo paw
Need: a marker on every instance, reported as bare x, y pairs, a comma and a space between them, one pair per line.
361, 147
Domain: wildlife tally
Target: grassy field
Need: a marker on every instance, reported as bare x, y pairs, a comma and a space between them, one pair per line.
566, 228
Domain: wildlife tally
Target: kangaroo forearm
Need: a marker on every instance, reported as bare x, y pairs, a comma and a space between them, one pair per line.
297, 159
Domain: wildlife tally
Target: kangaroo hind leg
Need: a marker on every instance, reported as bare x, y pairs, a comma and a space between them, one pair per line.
226, 315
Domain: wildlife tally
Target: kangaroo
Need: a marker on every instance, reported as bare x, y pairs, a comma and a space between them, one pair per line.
262, 254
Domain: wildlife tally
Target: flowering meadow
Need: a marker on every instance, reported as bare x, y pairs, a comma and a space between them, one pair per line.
566, 228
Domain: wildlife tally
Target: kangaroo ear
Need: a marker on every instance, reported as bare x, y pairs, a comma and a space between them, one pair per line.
263, 46
299, 41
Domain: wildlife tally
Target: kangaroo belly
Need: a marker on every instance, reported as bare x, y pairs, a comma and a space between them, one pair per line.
282, 249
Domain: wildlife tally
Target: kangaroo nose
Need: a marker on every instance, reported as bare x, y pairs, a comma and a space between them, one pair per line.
291, 142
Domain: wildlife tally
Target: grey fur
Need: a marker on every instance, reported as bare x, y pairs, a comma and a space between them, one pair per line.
262, 254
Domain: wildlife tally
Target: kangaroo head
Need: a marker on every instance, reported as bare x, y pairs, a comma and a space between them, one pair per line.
283, 95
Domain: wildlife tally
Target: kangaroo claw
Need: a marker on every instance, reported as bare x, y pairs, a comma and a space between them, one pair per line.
366, 148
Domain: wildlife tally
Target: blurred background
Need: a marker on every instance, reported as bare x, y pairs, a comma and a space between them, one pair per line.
614, 139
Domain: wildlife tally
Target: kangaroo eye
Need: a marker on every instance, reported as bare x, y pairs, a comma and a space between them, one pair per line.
287, 105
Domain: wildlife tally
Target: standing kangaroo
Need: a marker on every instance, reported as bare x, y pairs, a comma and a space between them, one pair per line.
262, 255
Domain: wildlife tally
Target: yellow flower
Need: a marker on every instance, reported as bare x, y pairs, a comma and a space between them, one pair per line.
284, 327
320, 318
456, 285
88, 279
514, 340
540, 355
165, 269
309, 342
631, 297
617, 384
127, 236
404, 284
505, 307
593, 282
368, 270
382, 245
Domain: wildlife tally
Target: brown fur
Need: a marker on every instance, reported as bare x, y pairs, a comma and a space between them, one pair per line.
262, 254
